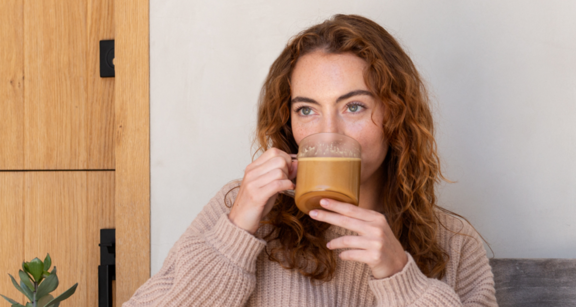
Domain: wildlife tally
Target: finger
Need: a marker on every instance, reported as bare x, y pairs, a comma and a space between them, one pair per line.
261, 191
265, 168
364, 256
272, 175
355, 242
338, 219
276, 186
269, 154
349, 210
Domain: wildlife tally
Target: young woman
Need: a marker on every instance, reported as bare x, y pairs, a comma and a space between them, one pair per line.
251, 246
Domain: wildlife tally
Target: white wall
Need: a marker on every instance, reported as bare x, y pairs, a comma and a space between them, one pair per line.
502, 75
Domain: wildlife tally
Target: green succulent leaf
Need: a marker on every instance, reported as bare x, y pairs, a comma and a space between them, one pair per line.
18, 305
66, 294
25, 267
50, 284
36, 269
43, 301
29, 305
26, 280
11, 301
28, 293
24, 291
47, 262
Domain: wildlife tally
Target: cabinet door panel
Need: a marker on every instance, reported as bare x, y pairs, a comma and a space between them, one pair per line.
69, 109
11, 231
64, 214
11, 85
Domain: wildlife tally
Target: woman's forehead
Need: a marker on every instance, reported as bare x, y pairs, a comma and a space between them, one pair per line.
336, 73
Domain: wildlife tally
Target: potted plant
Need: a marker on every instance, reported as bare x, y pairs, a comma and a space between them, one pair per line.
36, 283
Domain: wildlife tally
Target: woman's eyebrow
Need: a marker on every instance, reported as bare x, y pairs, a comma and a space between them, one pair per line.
345, 96
354, 93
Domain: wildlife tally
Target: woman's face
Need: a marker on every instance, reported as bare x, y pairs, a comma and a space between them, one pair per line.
329, 95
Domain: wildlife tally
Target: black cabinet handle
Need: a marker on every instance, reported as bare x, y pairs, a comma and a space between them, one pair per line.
107, 267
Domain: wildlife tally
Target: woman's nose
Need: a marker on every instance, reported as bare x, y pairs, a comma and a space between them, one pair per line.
332, 124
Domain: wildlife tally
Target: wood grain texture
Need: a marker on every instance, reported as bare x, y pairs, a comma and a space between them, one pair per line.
132, 145
69, 111
11, 232
100, 95
55, 89
11, 85
64, 214
534, 282
56, 113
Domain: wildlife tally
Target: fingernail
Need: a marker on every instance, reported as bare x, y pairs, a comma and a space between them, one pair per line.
324, 202
328, 244
313, 213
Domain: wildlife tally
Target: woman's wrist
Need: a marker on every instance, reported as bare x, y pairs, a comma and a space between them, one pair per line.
401, 263
236, 220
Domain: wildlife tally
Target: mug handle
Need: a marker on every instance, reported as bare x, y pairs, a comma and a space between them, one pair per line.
290, 193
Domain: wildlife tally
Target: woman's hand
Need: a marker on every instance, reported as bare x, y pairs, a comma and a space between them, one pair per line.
263, 179
375, 244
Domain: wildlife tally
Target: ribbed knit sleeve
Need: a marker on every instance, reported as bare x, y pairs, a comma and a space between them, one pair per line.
474, 287
212, 264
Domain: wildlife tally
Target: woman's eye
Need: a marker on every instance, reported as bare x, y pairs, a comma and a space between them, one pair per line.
354, 107
305, 111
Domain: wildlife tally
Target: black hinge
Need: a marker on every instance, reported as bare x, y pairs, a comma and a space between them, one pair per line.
107, 267
107, 59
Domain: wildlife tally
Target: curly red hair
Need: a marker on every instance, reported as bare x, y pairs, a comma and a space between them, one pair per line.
411, 168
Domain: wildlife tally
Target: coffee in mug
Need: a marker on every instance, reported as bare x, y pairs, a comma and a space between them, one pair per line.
329, 166
337, 178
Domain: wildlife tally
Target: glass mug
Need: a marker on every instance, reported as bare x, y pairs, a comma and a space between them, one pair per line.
328, 167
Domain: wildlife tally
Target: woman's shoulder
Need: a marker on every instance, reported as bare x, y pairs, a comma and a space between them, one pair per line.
452, 228
218, 205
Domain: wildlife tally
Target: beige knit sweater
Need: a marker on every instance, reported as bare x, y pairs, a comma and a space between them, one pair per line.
215, 263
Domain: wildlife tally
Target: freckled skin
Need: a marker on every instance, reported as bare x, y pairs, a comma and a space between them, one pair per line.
324, 78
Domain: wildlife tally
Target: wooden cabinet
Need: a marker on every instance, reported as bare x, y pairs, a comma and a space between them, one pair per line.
74, 147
